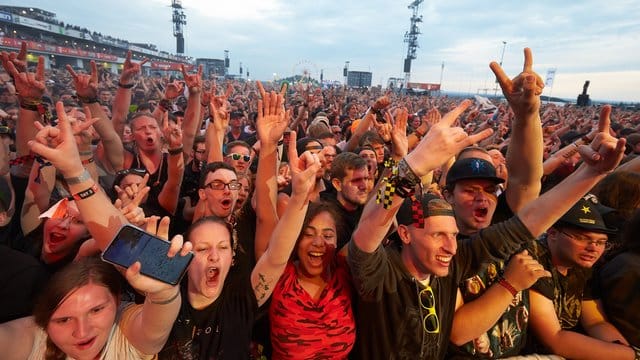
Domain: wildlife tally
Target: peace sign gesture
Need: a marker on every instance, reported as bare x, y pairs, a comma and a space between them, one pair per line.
86, 84
523, 92
442, 142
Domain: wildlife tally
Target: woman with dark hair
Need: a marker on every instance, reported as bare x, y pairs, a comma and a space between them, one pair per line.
310, 310
619, 279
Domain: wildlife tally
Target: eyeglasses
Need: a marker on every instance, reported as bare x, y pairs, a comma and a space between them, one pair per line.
124, 172
220, 185
430, 322
586, 241
200, 151
236, 156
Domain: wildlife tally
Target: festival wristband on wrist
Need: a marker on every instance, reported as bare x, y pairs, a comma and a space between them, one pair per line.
88, 100
507, 285
125, 86
78, 179
85, 193
175, 151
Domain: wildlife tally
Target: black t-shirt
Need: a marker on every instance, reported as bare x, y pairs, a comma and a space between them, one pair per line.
389, 316
220, 331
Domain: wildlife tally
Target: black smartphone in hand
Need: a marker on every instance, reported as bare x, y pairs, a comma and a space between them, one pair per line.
133, 244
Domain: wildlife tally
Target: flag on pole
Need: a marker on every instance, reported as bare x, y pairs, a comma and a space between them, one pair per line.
551, 74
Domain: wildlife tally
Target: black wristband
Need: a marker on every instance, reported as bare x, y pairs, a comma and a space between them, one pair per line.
126, 86
87, 100
175, 151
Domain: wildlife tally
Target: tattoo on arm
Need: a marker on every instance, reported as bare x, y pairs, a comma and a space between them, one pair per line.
261, 288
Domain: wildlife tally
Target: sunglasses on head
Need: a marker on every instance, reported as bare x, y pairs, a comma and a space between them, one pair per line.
236, 156
124, 172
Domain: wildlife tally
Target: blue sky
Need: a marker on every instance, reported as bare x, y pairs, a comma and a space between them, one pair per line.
586, 40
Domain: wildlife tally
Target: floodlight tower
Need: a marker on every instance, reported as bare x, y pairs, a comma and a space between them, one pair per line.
411, 38
179, 19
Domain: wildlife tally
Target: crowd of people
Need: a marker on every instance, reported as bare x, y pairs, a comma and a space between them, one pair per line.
325, 223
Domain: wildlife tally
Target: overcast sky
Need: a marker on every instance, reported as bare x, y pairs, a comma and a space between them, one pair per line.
584, 40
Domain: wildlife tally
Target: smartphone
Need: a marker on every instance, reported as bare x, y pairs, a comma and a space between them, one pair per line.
132, 244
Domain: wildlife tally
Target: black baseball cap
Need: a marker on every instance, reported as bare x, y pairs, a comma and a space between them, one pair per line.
587, 214
472, 168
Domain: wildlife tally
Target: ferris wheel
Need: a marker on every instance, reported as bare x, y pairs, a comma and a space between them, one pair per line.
306, 70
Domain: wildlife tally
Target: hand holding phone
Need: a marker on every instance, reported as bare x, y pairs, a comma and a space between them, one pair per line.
132, 244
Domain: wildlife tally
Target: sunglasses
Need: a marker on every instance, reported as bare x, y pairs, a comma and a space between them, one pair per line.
139, 172
220, 185
430, 322
236, 156
5, 130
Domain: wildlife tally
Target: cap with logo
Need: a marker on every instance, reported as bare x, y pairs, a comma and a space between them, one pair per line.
587, 214
472, 168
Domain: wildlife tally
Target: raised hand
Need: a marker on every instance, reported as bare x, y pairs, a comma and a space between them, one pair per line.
154, 289
432, 117
172, 132
80, 128
272, 118
132, 195
58, 145
442, 142
399, 134
193, 81
173, 90
86, 84
303, 169
523, 92
29, 86
604, 152
19, 60
523, 271
130, 69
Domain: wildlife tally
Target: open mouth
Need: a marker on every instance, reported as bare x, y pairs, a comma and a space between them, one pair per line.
226, 202
213, 274
444, 260
149, 141
480, 212
55, 238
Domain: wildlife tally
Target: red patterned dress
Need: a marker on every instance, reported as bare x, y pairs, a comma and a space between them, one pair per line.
304, 328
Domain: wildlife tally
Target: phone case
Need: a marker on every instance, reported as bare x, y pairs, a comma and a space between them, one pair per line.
133, 244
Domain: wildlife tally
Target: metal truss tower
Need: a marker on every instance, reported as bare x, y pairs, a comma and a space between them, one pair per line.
179, 19
411, 38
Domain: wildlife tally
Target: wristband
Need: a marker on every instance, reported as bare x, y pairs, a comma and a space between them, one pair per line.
175, 151
507, 285
38, 106
85, 193
405, 171
87, 161
165, 105
165, 302
125, 86
78, 179
88, 100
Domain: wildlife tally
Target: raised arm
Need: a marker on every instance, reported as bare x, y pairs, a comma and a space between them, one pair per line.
524, 155
87, 90
600, 157
122, 99
193, 112
271, 123
168, 197
441, 142
219, 110
272, 263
